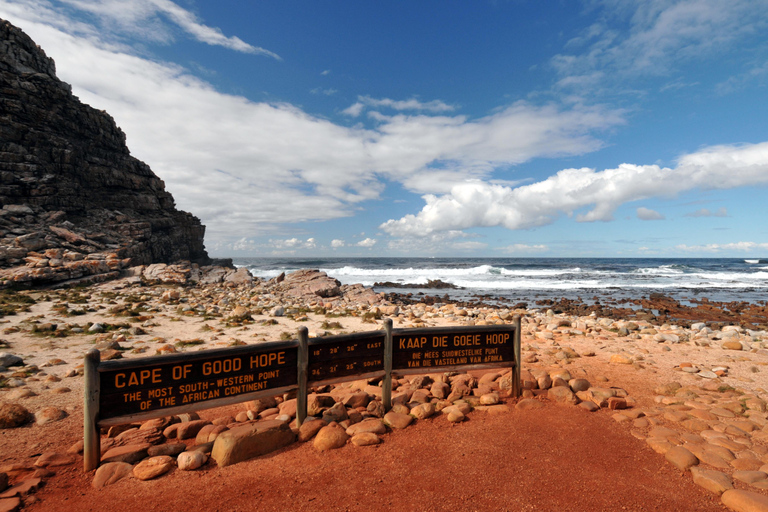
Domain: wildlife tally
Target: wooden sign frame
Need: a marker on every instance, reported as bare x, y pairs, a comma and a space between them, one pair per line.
125, 391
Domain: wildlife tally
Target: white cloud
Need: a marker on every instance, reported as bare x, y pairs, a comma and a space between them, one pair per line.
661, 35
368, 242
647, 214
434, 106
714, 248
354, 110
293, 243
480, 204
237, 163
704, 212
337, 244
143, 17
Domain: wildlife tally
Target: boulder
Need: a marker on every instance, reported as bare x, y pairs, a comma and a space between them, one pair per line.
330, 437
110, 473
251, 440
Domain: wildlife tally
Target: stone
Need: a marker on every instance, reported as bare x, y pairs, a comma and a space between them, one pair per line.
749, 477
732, 345
336, 413
711, 480
365, 439
617, 403
681, 458
7, 359
309, 428
355, 400
397, 420
562, 394
23, 488
54, 459
153, 467
13, 415
141, 435
621, 359
489, 399
49, 415
375, 408
330, 437
316, 404
746, 464
191, 460
111, 472
251, 440
423, 411
744, 501
262, 404
577, 385
374, 426
129, 453
190, 429
171, 449
455, 416
209, 433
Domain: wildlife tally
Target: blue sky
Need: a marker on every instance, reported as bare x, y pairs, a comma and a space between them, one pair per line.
437, 128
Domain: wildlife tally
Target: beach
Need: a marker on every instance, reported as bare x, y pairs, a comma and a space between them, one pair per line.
51, 330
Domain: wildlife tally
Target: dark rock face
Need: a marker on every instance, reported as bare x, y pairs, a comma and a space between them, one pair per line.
68, 182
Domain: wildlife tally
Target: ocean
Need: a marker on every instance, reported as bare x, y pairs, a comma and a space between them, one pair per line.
513, 280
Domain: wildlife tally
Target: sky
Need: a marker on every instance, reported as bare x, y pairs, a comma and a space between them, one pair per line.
491, 128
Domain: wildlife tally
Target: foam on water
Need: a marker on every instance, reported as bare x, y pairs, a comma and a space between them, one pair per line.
717, 279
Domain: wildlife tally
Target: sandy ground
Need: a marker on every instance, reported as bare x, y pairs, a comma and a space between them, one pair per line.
558, 458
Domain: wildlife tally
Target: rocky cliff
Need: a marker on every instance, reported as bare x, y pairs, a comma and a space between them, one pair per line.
74, 202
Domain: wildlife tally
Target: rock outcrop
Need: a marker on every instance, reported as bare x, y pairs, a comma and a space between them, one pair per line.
73, 201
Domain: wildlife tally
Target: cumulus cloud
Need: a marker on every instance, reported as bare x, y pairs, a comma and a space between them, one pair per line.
368, 242
704, 212
293, 243
480, 204
647, 214
338, 244
714, 248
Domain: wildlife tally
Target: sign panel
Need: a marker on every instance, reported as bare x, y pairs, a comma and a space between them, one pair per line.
148, 384
335, 357
436, 348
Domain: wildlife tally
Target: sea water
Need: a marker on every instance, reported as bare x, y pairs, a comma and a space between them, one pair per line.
532, 279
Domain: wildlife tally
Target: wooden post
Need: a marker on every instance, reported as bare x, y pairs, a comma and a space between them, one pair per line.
516, 384
301, 397
91, 437
386, 387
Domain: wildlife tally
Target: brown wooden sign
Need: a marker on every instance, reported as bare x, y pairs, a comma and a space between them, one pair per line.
137, 386
425, 350
338, 357
138, 389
